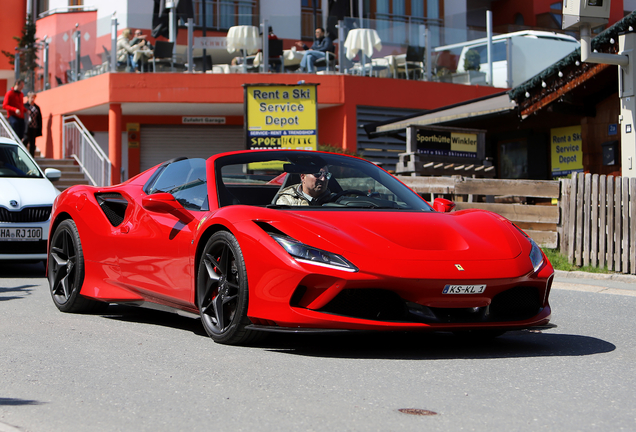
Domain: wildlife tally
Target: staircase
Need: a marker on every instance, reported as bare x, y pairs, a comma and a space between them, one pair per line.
71, 173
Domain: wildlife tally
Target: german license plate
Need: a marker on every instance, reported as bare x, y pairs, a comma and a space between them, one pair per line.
464, 289
20, 234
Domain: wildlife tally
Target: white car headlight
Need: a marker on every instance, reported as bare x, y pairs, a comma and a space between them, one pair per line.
311, 255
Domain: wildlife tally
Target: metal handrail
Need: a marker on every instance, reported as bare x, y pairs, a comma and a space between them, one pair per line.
79, 144
7, 131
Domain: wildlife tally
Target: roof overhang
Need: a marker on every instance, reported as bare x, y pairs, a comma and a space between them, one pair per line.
488, 106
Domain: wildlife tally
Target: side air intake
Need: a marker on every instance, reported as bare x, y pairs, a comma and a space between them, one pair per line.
114, 207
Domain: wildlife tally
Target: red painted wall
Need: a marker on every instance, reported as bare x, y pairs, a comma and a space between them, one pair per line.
339, 96
12, 20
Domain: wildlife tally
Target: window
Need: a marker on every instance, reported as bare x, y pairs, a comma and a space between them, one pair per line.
76, 2
14, 162
186, 180
307, 19
513, 160
223, 14
391, 9
498, 52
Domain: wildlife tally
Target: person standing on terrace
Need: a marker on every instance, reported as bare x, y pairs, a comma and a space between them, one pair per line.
318, 50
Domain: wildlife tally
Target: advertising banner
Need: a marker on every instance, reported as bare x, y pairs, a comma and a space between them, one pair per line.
566, 150
210, 42
281, 116
443, 143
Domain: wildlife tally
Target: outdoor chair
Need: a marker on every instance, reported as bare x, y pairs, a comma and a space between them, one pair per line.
276, 54
199, 61
413, 62
328, 63
162, 55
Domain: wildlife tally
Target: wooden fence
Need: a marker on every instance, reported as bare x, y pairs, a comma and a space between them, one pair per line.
599, 224
506, 197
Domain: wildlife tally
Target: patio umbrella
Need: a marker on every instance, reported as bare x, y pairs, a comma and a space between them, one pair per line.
160, 16
243, 38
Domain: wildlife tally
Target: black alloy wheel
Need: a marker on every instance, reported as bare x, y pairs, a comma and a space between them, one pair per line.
66, 271
222, 291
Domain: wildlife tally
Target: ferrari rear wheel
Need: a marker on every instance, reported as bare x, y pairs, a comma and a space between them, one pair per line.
222, 291
66, 271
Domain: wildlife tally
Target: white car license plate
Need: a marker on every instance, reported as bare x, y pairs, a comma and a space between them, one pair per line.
20, 234
464, 289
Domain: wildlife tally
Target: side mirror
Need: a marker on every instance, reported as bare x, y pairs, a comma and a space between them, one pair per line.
443, 205
164, 202
52, 174
160, 203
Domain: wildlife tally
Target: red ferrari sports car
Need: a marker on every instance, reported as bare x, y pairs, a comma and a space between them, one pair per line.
297, 241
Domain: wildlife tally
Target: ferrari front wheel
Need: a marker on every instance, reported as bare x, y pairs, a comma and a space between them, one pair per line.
66, 270
222, 290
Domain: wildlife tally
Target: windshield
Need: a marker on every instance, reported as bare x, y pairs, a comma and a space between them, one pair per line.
291, 179
15, 162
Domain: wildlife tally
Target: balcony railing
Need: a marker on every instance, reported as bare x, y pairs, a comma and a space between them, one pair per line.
412, 47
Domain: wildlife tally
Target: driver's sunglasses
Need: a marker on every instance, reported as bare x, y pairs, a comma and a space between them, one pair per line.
322, 173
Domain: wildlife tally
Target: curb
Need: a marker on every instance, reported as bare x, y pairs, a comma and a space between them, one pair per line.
616, 277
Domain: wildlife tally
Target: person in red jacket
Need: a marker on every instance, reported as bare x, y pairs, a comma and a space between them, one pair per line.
14, 105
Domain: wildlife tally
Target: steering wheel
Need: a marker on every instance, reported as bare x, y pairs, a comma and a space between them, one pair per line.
340, 194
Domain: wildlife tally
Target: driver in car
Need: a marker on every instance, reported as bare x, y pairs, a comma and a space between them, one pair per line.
312, 190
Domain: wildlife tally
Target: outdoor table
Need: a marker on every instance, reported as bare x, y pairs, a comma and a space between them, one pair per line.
291, 57
364, 40
244, 38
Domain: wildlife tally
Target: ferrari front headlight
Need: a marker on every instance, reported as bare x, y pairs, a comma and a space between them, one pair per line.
311, 255
536, 256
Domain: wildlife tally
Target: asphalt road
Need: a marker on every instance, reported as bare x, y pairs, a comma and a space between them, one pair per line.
142, 370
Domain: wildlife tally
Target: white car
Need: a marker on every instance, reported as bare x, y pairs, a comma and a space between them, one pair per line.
26, 199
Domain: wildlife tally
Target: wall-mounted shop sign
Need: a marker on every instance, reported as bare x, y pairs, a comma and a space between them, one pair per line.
281, 116
133, 135
567, 150
210, 42
446, 144
205, 120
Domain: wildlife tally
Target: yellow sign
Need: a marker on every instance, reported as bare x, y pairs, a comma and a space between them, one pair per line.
464, 142
567, 150
133, 135
282, 116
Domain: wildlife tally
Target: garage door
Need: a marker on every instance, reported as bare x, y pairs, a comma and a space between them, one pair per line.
161, 143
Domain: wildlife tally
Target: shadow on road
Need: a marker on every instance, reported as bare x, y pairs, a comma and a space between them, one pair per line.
153, 317
16, 402
439, 346
390, 346
8, 293
22, 270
